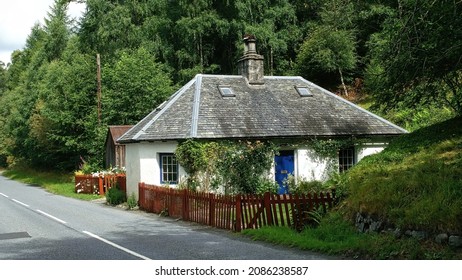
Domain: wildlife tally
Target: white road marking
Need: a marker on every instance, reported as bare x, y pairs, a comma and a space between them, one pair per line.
116, 246
50, 216
3, 195
17, 201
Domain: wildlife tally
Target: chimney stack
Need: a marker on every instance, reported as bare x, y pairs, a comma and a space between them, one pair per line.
251, 63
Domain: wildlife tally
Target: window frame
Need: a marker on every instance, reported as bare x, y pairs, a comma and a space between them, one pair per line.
226, 91
174, 169
346, 161
304, 91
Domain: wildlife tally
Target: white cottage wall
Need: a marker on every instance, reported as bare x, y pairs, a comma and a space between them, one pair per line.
143, 162
132, 167
143, 159
310, 166
369, 149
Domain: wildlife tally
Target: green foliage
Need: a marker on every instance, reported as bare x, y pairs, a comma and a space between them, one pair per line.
192, 156
240, 166
415, 182
328, 52
413, 56
330, 48
244, 163
131, 201
329, 148
89, 167
134, 85
115, 196
199, 159
419, 117
339, 183
301, 186
337, 237
267, 185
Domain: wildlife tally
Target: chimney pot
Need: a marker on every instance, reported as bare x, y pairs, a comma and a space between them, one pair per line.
251, 63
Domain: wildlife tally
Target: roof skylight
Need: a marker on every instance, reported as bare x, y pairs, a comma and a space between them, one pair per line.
226, 91
304, 91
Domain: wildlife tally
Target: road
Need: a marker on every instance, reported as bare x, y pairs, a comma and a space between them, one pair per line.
37, 225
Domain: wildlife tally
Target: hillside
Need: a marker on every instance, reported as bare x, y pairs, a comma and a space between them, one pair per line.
415, 183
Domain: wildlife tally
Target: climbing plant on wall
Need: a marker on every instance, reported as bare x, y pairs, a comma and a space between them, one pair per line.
237, 166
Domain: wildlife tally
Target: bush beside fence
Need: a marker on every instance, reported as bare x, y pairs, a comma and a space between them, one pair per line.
236, 212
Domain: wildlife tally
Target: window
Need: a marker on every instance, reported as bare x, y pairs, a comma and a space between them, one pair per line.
168, 169
226, 91
346, 159
304, 91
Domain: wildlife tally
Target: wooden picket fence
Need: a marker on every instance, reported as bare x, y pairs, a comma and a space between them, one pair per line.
237, 212
100, 184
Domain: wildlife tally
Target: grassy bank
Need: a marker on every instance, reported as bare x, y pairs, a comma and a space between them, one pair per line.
416, 183
337, 237
57, 183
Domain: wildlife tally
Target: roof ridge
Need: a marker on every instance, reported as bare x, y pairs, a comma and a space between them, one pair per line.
196, 104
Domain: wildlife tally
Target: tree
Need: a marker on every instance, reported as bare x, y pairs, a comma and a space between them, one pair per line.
327, 51
417, 57
274, 23
57, 30
133, 87
331, 45
64, 124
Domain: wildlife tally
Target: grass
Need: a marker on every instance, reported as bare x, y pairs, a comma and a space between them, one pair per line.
335, 236
53, 182
416, 182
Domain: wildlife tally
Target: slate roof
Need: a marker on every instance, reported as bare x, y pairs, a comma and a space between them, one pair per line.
274, 109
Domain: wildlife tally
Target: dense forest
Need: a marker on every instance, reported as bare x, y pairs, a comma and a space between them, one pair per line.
402, 57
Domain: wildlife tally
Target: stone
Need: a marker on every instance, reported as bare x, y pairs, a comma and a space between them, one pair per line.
398, 233
359, 218
441, 238
361, 227
420, 235
455, 241
375, 226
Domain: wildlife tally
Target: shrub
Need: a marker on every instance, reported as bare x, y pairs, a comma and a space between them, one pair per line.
115, 196
131, 201
267, 185
301, 186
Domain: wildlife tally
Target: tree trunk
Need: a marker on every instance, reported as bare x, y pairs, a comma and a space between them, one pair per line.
343, 83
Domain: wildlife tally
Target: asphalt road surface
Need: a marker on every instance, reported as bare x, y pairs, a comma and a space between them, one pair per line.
38, 225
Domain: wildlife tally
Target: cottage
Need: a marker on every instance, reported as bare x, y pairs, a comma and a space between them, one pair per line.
115, 152
252, 106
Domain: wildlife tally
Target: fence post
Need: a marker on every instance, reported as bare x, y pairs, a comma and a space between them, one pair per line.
211, 209
185, 209
141, 199
238, 221
100, 185
267, 205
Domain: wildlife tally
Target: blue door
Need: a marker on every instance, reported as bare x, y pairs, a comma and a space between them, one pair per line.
284, 166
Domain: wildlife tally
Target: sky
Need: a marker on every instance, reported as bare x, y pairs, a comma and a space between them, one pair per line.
17, 17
